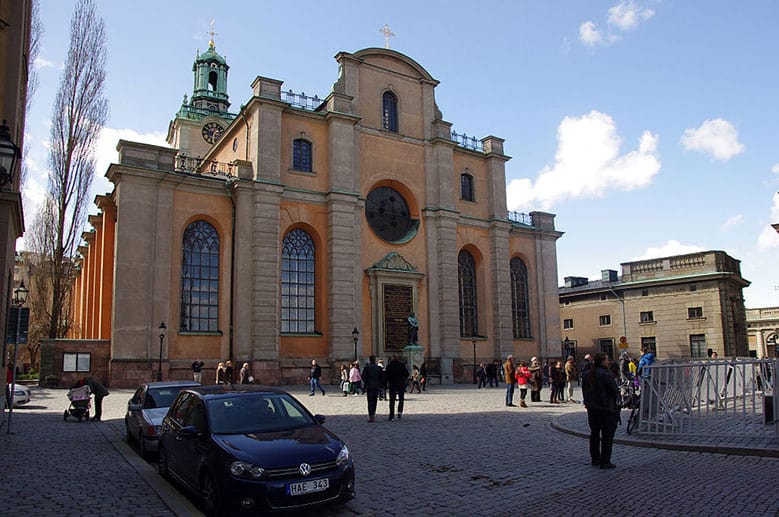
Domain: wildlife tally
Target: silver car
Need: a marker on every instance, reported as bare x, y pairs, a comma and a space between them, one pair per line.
21, 394
147, 408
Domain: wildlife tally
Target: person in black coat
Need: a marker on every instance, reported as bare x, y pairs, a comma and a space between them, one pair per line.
600, 398
397, 376
372, 378
99, 391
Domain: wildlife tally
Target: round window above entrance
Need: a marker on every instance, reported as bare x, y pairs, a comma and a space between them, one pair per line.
388, 215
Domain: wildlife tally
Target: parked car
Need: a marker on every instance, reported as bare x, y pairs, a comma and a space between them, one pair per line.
146, 409
21, 395
247, 448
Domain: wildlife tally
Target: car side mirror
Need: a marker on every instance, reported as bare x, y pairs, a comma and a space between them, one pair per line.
320, 418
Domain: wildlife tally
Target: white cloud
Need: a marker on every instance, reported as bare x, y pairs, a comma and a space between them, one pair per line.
732, 221
669, 249
587, 165
42, 63
769, 238
626, 15
775, 169
589, 34
716, 137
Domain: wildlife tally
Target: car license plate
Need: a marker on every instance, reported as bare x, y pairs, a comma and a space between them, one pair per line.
308, 487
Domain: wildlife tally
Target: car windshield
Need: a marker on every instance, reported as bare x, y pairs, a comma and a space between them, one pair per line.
256, 413
160, 397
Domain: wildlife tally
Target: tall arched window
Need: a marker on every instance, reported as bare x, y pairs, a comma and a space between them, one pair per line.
301, 155
200, 279
466, 187
520, 300
389, 112
466, 275
297, 283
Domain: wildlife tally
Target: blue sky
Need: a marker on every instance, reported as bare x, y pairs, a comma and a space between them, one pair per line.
648, 127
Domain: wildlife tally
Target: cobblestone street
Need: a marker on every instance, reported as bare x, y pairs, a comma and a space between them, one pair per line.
457, 451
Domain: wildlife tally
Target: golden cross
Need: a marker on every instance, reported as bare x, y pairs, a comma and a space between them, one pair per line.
387, 34
211, 34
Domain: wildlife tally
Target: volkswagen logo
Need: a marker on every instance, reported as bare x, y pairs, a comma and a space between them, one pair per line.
305, 469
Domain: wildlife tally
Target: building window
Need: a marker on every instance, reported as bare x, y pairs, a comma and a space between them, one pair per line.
649, 344
389, 117
76, 362
697, 345
694, 313
520, 300
568, 323
647, 317
200, 279
607, 347
298, 283
693, 287
645, 292
604, 320
466, 269
301, 155
602, 297
466, 187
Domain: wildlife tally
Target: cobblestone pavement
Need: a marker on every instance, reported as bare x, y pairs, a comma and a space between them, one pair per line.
457, 451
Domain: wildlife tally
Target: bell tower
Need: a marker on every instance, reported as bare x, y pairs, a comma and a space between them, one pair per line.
203, 117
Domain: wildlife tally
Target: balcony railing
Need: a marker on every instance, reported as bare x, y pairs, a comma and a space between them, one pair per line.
192, 165
520, 218
466, 141
301, 100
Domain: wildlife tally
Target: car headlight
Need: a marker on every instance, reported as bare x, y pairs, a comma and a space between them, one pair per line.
246, 470
343, 456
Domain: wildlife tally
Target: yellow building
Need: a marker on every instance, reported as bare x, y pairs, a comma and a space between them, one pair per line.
675, 307
272, 234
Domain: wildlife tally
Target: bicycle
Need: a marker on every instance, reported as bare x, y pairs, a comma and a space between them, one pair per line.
631, 399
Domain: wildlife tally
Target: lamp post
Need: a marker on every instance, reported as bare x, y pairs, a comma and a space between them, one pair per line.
9, 152
566, 348
355, 335
162, 328
474, 361
19, 299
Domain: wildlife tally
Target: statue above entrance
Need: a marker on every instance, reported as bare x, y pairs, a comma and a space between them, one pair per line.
413, 329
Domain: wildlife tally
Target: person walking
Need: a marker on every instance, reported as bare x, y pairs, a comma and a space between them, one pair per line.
397, 375
538, 380
373, 378
197, 367
571, 376
245, 375
492, 374
97, 389
600, 398
314, 374
523, 381
415, 380
509, 373
229, 372
345, 379
220, 373
481, 376
383, 387
423, 376
355, 379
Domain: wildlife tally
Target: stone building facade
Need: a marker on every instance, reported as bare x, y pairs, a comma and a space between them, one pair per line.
270, 235
763, 332
677, 307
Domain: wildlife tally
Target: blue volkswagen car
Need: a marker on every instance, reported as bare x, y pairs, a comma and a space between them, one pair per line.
246, 448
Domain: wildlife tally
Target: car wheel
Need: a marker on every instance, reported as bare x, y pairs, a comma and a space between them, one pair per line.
162, 462
211, 503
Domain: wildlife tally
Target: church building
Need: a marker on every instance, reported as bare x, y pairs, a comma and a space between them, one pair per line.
298, 228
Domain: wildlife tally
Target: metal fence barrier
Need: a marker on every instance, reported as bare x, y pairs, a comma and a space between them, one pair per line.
711, 398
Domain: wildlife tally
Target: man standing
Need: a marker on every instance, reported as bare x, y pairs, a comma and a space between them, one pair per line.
372, 380
197, 367
509, 371
313, 377
600, 398
397, 374
571, 376
492, 374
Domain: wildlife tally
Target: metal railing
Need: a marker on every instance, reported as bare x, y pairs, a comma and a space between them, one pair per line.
520, 218
202, 167
711, 398
469, 142
301, 100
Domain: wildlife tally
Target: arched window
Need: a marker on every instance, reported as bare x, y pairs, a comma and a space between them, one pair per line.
466, 187
520, 300
466, 275
200, 279
297, 283
212, 81
301, 155
389, 112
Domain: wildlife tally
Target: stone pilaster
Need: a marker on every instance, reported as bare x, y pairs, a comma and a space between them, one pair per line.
501, 334
548, 300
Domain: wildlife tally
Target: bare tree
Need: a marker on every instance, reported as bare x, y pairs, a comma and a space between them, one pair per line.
79, 114
36, 33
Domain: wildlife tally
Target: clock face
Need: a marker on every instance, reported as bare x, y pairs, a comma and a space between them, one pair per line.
388, 214
212, 132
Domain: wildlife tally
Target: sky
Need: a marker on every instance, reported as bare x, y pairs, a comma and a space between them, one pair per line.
649, 127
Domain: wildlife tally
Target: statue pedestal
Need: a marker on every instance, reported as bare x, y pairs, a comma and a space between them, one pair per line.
414, 355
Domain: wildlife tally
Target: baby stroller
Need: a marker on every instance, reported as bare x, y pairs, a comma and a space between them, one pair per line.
80, 402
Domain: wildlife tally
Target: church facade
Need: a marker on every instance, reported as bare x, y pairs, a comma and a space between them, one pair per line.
300, 228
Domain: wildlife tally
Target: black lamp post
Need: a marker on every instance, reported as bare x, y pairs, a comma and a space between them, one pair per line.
19, 299
566, 347
162, 328
9, 152
474, 361
355, 334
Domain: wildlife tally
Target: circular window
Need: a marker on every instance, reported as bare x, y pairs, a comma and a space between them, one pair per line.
388, 215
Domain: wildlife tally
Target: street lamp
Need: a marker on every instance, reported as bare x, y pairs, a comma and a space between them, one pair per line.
162, 328
355, 334
9, 152
474, 361
19, 299
566, 347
